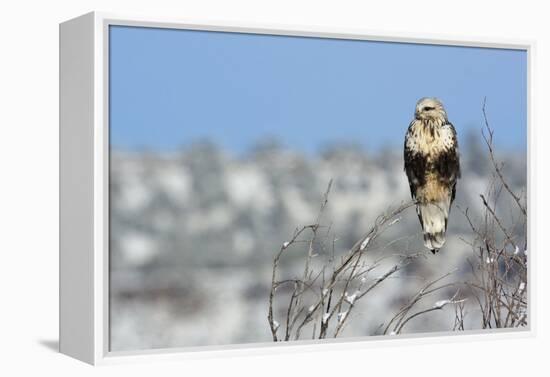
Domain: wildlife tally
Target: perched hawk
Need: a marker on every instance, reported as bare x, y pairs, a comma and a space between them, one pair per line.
432, 167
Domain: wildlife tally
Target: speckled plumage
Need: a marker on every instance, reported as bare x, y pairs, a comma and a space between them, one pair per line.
432, 167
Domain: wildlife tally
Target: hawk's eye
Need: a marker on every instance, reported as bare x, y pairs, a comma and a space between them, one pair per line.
428, 108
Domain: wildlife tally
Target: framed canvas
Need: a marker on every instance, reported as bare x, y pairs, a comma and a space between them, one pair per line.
229, 189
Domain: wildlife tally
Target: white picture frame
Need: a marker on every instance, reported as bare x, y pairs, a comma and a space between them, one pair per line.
84, 248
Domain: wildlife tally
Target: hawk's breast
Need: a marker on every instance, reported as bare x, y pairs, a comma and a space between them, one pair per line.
430, 142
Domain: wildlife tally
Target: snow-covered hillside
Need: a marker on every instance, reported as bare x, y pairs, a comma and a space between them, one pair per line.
193, 235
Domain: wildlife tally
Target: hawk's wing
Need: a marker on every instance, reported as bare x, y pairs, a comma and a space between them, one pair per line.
448, 163
415, 164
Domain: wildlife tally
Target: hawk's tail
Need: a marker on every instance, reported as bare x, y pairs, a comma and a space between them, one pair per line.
433, 217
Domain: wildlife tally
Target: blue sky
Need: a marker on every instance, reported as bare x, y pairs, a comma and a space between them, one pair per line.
170, 88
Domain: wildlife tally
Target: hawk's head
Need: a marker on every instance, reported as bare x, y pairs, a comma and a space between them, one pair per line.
428, 108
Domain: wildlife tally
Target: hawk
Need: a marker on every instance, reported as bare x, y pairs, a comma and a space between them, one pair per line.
433, 168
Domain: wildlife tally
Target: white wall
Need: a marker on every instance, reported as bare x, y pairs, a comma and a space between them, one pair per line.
29, 190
